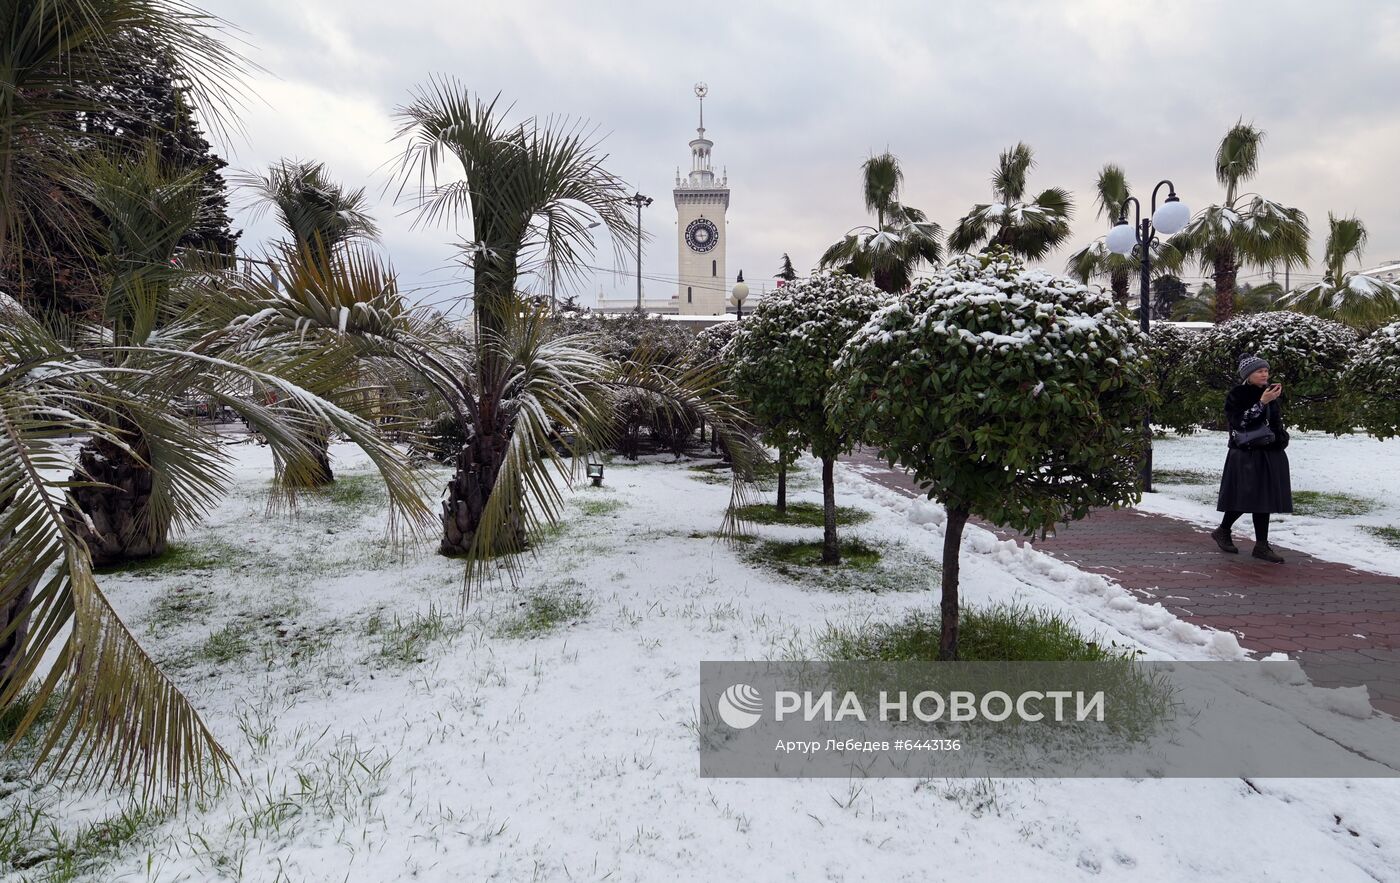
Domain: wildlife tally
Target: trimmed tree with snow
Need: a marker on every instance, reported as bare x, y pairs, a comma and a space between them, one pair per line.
1305, 353
782, 358
1372, 382
1014, 395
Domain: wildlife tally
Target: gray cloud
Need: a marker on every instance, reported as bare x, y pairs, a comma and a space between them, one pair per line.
802, 92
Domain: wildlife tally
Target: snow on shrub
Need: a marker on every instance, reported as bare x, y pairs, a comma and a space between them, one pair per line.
1015, 395
781, 361
709, 343
1304, 352
1372, 382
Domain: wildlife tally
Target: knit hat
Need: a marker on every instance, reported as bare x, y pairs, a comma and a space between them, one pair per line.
1249, 363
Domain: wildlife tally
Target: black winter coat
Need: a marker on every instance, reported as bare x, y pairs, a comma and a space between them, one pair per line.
1255, 478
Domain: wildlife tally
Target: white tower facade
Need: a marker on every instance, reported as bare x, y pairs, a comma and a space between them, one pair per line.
702, 200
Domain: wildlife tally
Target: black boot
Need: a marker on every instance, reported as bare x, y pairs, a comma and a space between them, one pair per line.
1262, 550
1221, 535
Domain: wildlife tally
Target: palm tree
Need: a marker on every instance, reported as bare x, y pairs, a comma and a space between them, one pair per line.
902, 239
522, 184
317, 212
1111, 194
119, 719
1031, 228
1349, 296
321, 218
1245, 229
130, 495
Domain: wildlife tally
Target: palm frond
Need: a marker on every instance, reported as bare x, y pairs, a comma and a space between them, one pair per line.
1111, 192
1237, 157
119, 719
1009, 178
1346, 239
881, 178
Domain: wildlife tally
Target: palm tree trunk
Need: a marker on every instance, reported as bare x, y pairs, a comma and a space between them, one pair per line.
1226, 268
478, 469
121, 525
320, 473
885, 281
948, 605
831, 551
1119, 281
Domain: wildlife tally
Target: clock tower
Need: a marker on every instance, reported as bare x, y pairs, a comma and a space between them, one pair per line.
701, 202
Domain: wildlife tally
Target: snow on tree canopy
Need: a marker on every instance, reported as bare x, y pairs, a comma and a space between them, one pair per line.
1373, 379
1014, 393
782, 353
995, 303
1305, 353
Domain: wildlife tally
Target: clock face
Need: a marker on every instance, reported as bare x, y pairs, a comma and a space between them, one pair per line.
701, 235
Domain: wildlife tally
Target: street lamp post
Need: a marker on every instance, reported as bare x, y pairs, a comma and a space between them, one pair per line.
1170, 218
640, 202
741, 292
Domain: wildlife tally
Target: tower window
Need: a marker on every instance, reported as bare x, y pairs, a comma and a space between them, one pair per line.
714, 268
687, 295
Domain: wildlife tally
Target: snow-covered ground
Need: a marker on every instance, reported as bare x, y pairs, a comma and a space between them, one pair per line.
384, 736
1357, 466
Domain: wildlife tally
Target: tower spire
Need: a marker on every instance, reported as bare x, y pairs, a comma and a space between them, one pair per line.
701, 90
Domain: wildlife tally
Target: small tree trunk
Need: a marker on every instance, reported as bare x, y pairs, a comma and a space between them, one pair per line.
948, 606
124, 527
781, 508
1225, 270
831, 550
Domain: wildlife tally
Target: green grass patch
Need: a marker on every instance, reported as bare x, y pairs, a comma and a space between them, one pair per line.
600, 506
180, 606
808, 553
16, 711
1000, 633
182, 558
804, 514
1329, 504
405, 641
225, 645
1389, 534
1183, 476
863, 567
33, 841
542, 612
359, 491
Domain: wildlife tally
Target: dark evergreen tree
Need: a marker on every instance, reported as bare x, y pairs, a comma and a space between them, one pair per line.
786, 272
149, 104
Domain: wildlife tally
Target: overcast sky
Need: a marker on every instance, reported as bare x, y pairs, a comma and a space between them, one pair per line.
802, 92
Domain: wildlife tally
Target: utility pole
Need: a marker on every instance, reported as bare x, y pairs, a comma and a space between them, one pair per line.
639, 201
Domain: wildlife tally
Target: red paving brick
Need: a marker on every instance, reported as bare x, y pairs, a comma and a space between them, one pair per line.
1338, 621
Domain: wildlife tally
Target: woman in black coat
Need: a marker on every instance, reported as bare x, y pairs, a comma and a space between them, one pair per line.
1256, 469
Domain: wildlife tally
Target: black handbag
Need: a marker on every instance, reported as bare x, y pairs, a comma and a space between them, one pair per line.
1257, 437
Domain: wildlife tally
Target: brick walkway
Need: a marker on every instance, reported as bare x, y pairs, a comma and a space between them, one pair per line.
1341, 624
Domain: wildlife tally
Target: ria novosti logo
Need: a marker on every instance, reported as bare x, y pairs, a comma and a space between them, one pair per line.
740, 706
